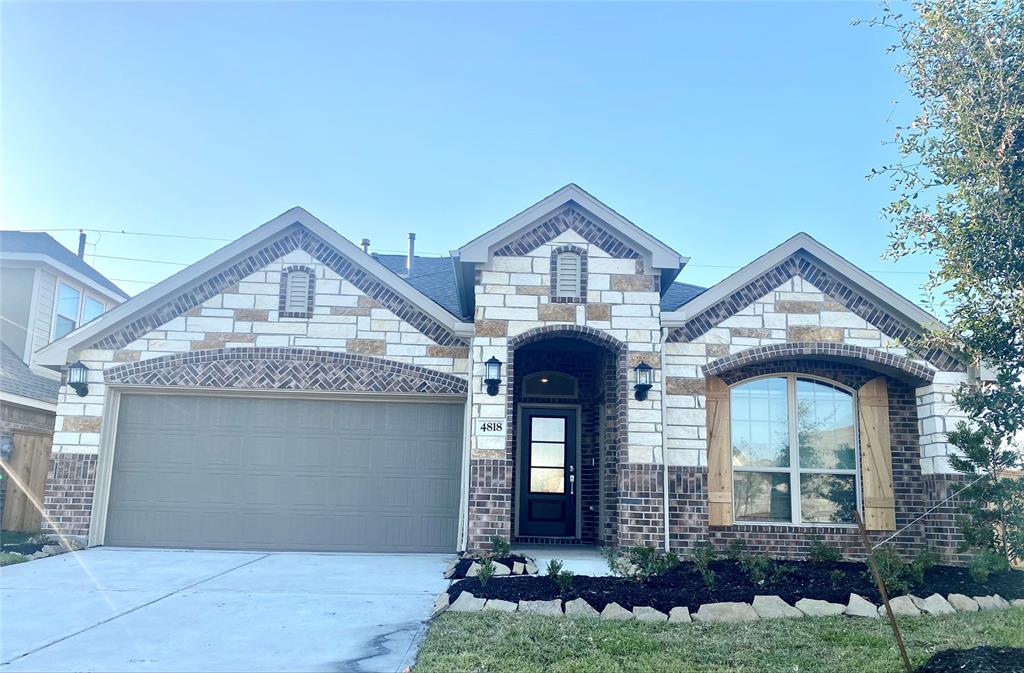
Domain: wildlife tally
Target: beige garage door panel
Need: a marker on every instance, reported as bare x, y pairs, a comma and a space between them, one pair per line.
284, 473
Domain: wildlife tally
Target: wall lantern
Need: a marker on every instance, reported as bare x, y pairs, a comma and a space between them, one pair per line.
492, 371
77, 375
642, 373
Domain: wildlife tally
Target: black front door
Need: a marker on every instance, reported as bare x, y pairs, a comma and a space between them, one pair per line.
548, 480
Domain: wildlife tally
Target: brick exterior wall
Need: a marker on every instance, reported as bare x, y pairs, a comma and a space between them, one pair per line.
914, 492
70, 484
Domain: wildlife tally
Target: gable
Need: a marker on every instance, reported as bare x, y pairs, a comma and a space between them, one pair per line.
294, 230
802, 257
571, 209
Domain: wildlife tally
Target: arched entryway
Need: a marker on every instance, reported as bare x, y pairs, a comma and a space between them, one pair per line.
567, 401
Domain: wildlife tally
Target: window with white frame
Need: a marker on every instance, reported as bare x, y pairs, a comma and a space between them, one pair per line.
568, 276
74, 308
794, 451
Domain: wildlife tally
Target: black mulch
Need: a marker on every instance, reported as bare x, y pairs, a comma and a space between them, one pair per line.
983, 659
463, 566
683, 585
25, 549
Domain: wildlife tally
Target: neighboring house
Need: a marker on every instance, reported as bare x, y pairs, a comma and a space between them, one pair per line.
291, 391
45, 292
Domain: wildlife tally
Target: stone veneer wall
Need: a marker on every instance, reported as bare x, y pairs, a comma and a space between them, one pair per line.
798, 313
247, 315
513, 298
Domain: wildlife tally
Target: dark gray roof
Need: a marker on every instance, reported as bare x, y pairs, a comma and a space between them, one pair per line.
678, 294
433, 276
17, 379
39, 243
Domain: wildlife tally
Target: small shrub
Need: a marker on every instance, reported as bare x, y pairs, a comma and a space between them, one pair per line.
985, 563
500, 548
736, 550
898, 575
780, 572
640, 563
703, 554
564, 579
822, 552
554, 568
836, 576
926, 560
756, 567
486, 572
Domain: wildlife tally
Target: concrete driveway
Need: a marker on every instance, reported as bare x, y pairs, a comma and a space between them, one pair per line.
109, 609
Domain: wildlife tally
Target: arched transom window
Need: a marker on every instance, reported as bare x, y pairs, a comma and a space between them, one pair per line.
794, 451
550, 384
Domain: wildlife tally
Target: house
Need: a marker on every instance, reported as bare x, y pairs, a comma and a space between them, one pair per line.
552, 381
46, 291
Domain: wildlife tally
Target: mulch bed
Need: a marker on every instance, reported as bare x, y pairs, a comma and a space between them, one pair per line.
684, 586
976, 660
25, 548
463, 566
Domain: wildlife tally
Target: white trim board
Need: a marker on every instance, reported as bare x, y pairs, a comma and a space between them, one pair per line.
57, 354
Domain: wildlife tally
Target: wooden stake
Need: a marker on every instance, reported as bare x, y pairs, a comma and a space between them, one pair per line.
885, 594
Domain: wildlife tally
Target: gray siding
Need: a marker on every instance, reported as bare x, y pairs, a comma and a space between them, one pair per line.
15, 305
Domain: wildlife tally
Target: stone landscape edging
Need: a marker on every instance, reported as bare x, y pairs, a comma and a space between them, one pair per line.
771, 608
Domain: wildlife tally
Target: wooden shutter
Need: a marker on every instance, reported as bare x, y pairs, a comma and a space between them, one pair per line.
876, 455
719, 453
567, 270
297, 292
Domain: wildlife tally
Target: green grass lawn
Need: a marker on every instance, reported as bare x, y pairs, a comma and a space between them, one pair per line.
511, 642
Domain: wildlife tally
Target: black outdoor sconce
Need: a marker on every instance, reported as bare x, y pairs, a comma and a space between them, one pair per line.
492, 370
77, 375
643, 375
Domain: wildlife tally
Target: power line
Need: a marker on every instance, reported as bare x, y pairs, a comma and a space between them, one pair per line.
133, 233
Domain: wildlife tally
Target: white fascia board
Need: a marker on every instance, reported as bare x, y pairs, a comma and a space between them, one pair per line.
478, 250
23, 401
56, 354
871, 286
34, 258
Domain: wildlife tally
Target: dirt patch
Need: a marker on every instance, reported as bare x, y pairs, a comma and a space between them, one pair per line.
976, 660
684, 586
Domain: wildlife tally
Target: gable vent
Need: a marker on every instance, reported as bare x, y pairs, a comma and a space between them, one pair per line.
297, 292
567, 271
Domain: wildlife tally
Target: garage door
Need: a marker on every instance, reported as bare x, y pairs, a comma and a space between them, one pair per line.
285, 473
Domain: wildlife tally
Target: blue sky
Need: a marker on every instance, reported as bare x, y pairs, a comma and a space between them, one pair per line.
721, 128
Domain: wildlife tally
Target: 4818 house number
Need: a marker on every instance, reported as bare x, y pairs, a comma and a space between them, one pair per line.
490, 427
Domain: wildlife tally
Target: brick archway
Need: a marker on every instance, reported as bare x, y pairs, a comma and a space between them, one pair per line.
603, 362
897, 366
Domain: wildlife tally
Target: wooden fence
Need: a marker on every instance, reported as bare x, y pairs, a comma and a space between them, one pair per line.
25, 475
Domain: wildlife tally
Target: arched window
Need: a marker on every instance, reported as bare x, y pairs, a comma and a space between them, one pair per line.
298, 290
550, 384
794, 451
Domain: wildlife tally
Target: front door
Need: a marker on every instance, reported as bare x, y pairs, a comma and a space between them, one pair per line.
548, 481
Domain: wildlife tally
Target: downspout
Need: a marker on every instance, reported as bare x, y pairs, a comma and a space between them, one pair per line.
467, 426
664, 427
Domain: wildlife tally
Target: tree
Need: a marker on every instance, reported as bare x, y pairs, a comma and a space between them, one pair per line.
959, 186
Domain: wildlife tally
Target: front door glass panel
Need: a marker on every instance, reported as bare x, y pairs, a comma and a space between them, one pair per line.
547, 455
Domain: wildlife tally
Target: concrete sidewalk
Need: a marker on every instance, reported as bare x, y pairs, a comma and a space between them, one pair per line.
109, 609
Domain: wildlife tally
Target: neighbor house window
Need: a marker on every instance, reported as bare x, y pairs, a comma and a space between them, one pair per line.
297, 292
74, 308
69, 302
794, 451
